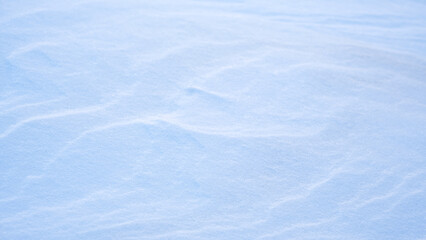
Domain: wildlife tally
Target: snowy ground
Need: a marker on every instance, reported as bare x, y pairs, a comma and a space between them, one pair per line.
209, 119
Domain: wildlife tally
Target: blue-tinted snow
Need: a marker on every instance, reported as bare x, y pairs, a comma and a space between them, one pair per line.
197, 119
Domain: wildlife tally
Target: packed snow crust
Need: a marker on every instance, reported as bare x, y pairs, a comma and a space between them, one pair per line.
193, 119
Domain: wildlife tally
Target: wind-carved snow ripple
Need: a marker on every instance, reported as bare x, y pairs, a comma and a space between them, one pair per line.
212, 120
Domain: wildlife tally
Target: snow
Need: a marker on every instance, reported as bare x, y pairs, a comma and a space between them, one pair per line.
210, 119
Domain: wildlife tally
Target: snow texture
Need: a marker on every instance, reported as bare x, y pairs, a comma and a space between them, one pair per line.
213, 119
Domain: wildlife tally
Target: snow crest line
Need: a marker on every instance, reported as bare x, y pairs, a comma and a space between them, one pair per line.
71, 112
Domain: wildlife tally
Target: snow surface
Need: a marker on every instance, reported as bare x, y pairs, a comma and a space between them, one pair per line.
193, 119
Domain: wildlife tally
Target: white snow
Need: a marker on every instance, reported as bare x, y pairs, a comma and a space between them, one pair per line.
210, 119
